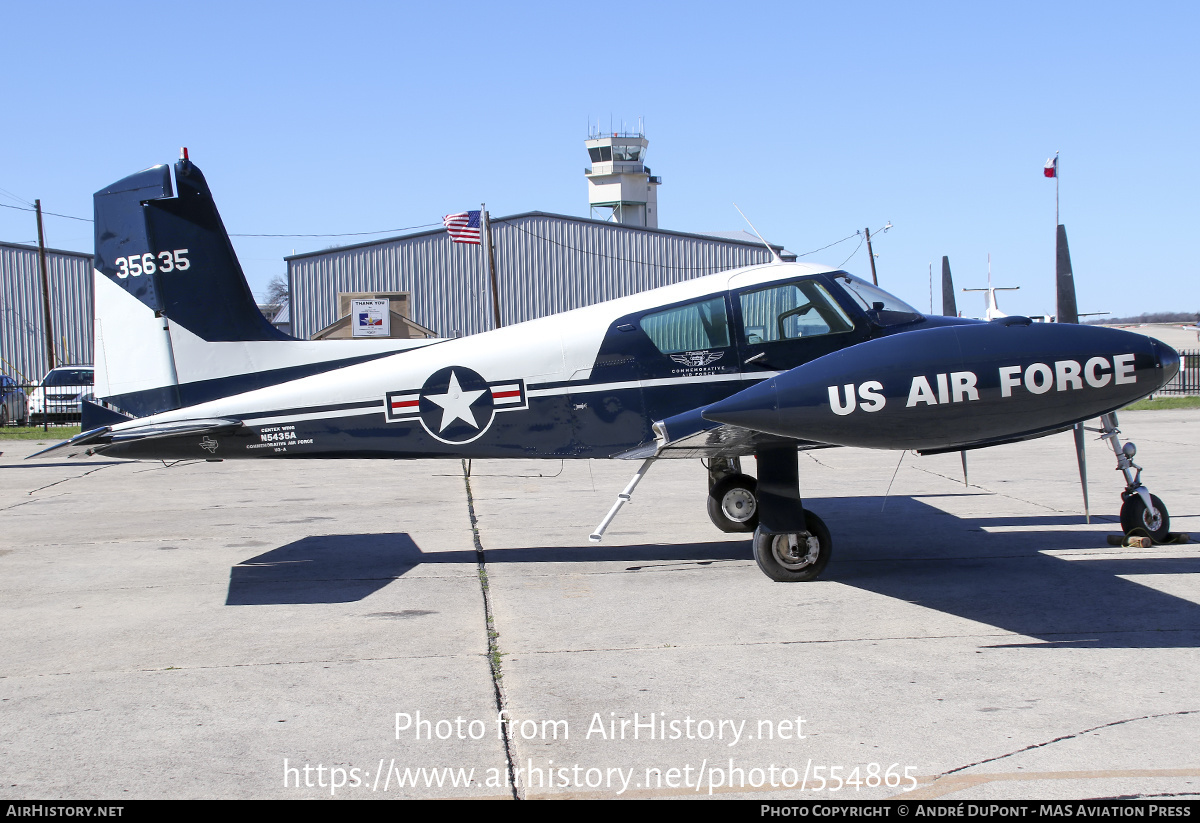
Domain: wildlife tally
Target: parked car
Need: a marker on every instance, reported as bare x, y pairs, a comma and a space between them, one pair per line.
13, 408
60, 393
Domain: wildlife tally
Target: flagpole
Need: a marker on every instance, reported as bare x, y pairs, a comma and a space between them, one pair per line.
1057, 223
487, 225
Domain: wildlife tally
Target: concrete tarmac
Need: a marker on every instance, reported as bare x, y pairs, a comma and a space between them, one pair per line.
321, 629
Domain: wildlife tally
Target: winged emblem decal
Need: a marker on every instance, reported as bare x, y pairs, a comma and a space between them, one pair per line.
696, 359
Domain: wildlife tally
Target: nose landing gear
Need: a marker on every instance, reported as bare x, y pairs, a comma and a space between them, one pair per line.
1140, 510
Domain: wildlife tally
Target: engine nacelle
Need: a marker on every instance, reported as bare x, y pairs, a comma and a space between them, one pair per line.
955, 386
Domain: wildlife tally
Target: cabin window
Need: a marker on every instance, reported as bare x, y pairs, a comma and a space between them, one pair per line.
790, 312
701, 325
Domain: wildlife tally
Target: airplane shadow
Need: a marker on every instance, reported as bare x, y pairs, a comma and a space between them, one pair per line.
335, 568
1077, 597
345, 568
911, 552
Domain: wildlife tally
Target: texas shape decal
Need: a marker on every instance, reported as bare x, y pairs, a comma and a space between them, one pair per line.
456, 405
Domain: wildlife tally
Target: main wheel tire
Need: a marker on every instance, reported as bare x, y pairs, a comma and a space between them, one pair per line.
785, 558
733, 503
1135, 515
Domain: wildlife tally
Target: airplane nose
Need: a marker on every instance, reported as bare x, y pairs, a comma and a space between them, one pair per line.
1168, 360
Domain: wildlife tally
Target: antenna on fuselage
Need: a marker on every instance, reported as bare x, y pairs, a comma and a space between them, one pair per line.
770, 248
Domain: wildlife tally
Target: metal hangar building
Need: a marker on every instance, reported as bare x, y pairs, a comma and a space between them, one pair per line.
23, 319
545, 263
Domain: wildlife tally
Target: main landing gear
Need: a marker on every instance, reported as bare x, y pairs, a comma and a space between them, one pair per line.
732, 498
1141, 511
795, 557
791, 544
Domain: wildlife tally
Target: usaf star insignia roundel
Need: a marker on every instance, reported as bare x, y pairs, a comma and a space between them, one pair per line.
456, 405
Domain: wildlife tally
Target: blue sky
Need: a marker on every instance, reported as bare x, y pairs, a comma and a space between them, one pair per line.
817, 119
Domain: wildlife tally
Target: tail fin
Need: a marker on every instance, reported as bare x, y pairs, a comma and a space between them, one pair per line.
949, 308
173, 254
1068, 311
176, 323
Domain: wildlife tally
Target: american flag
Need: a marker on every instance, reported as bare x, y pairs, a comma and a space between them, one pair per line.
463, 227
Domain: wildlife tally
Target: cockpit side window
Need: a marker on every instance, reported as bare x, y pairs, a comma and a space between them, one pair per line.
791, 311
695, 326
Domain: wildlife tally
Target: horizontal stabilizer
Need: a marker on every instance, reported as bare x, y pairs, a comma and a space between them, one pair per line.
101, 439
81, 439
156, 431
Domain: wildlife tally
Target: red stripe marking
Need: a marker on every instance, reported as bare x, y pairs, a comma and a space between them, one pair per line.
501, 395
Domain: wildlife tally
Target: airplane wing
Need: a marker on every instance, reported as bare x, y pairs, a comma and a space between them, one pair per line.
690, 435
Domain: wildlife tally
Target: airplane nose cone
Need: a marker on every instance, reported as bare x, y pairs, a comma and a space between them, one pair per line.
1168, 361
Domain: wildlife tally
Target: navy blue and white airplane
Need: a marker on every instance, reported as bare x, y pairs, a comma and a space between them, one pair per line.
763, 361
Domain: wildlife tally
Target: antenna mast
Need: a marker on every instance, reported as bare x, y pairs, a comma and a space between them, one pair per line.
770, 248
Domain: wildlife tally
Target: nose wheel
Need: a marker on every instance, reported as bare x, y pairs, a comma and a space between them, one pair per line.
1153, 519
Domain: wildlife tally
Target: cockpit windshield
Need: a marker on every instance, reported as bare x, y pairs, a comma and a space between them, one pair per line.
886, 309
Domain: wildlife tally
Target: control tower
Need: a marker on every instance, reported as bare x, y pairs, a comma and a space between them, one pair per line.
620, 187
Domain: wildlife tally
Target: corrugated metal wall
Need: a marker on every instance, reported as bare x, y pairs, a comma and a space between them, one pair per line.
545, 264
22, 319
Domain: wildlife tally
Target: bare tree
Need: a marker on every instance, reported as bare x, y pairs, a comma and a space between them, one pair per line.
277, 291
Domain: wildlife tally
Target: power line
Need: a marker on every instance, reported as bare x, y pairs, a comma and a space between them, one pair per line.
856, 248
17, 197
344, 234
831, 245
52, 214
432, 225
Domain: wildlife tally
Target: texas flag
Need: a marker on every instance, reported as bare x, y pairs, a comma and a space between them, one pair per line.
1051, 167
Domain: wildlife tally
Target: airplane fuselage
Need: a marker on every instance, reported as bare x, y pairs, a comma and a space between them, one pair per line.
585, 383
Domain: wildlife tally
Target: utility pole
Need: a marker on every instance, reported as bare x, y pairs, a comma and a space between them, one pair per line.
871, 255
45, 285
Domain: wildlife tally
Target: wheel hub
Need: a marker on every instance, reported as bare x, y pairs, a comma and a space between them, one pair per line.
1151, 519
739, 505
794, 551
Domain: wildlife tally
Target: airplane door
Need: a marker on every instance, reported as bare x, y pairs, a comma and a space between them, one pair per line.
689, 358
784, 325
607, 408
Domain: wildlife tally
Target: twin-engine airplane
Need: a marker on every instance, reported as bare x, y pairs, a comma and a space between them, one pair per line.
764, 361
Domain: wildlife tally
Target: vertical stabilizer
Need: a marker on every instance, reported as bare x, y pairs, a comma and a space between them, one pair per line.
176, 322
1068, 311
949, 307
173, 254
